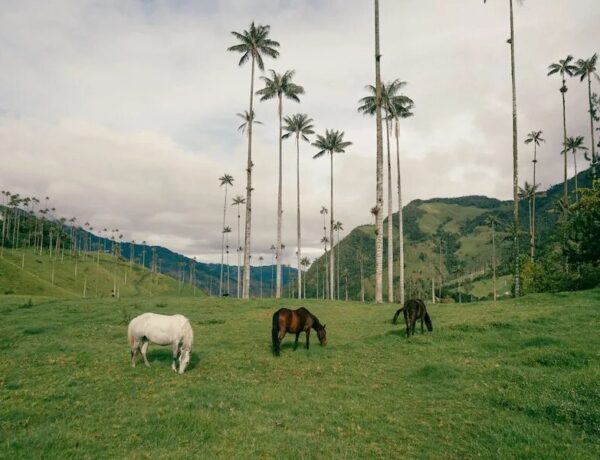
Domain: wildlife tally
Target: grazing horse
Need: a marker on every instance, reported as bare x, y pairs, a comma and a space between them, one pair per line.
413, 310
172, 330
295, 321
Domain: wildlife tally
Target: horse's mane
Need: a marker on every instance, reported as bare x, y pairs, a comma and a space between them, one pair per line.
316, 323
188, 335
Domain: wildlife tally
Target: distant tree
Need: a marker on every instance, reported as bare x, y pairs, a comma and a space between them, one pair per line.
301, 127
324, 213
280, 86
535, 138
585, 69
332, 142
226, 232
237, 201
225, 180
305, 263
528, 193
573, 145
564, 67
252, 44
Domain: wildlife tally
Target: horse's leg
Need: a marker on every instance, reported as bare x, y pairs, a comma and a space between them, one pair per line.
307, 339
407, 322
175, 355
134, 349
296, 341
144, 349
422, 331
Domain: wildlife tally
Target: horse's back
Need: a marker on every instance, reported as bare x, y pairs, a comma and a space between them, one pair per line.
160, 329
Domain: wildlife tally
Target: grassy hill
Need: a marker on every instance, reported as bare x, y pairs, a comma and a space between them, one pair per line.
514, 379
24, 271
460, 223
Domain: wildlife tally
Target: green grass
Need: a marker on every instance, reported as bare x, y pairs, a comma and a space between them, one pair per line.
24, 271
505, 380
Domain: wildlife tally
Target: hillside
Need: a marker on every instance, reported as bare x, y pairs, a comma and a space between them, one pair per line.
460, 223
26, 272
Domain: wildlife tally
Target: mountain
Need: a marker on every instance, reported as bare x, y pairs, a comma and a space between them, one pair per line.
460, 223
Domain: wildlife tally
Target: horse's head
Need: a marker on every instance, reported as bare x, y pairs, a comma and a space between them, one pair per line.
322, 334
184, 360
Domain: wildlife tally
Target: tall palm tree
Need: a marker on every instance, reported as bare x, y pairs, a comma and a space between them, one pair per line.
325, 241
226, 232
573, 145
324, 213
337, 227
528, 193
237, 201
225, 180
587, 68
535, 138
253, 44
279, 86
564, 67
379, 168
332, 142
368, 106
301, 127
402, 108
305, 263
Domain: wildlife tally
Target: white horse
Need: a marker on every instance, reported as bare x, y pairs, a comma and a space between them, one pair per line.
172, 330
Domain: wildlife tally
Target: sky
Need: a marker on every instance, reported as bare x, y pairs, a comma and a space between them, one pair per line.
124, 112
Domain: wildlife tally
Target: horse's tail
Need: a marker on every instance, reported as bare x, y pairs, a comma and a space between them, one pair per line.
428, 323
395, 319
275, 333
130, 336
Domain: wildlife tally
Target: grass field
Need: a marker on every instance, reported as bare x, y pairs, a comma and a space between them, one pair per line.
506, 380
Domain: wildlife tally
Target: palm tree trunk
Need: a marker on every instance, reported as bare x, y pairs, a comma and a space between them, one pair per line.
279, 210
530, 206
237, 250
592, 129
379, 169
565, 185
338, 263
515, 156
299, 251
533, 211
331, 258
400, 216
222, 243
390, 226
575, 165
247, 233
494, 261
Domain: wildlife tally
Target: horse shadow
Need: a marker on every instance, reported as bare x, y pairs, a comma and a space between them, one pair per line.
164, 355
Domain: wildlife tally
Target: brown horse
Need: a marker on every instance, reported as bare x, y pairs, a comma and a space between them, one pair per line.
413, 310
295, 321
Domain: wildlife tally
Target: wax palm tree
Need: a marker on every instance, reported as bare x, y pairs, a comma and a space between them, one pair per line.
337, 227
535, 138
245, 116
332, 142
379, 168
279, 86
237, 201
305, 263
368, 106
301, 127
511, 42
225, 180
325, 242
324, 212
401, 108
260, 262
492, 221
226, 232
562, 68
587, 68
253, 44
528, 193
573, 145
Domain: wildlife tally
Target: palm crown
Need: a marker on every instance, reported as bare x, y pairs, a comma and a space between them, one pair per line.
245, 115
254, 43
535, 137
574, 144
280, 85
587, 67
298, 124
564, 66
239, 199
392, 102
226, 179
332, 142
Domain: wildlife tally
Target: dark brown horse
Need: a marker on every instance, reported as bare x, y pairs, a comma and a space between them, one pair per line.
295, 322
413, 310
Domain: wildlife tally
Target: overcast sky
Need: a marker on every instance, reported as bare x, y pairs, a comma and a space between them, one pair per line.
123, 112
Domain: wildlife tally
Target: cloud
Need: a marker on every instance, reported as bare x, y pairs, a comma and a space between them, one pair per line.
123, 112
